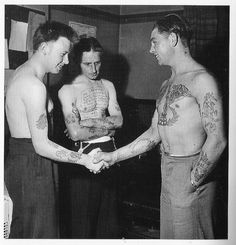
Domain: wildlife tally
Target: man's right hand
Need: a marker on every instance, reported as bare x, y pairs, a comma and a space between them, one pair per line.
108, 158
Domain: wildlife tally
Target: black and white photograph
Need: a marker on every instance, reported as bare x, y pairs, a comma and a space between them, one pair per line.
118, 122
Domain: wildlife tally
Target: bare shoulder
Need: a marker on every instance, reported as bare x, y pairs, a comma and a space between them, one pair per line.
203, 82
108, 84
65, 89
26, 85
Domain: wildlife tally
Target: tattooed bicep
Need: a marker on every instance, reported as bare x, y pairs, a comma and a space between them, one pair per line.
42, 122
210, 113
70, 118
75, 111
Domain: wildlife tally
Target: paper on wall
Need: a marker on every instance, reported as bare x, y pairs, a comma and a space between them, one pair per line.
83, 30
18, 36
6, 66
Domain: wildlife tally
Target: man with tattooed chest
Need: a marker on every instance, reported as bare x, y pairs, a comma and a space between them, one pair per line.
29, 173
92, 115
188, 122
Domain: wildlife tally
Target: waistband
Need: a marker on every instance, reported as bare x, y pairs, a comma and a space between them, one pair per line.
175, 155
20, 145
98, 140
180, 156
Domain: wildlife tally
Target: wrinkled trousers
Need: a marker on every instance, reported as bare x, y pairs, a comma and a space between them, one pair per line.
185, 213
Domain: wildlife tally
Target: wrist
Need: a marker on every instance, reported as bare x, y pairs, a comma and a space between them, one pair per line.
194, 185
115, 156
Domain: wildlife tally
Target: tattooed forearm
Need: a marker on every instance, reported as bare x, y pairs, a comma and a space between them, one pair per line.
42, 122
110, 122
75, 111
202, 168
117, 107
72, 157
144, 144
209, 112
138, 147
54, 145
70, 119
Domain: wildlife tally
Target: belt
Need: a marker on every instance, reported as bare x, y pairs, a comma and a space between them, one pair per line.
180, 156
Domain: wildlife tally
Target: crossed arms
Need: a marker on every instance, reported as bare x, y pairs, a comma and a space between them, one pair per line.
89, 129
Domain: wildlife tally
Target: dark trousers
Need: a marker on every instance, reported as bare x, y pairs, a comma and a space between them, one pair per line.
91, 200
30, 180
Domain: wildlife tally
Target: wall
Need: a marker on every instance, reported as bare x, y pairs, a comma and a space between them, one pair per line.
107, 31
145, 75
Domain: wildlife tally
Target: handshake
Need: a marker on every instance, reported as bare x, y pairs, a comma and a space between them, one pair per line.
98, 160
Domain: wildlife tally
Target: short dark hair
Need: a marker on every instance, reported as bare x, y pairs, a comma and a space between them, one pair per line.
176, 24
51, 31
85, 44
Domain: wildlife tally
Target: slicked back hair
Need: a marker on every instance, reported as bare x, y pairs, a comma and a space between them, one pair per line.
176, 24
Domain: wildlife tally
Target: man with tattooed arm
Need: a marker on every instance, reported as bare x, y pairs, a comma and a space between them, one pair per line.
188, 122
92, 114
29, 174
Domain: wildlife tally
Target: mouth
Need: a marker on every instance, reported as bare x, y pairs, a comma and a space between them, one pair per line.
59, 67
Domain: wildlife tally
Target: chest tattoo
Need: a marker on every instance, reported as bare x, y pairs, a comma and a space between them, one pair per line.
174, 93
93, 98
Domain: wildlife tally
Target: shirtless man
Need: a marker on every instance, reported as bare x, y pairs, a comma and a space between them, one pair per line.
29, 174
91, 114
188, 122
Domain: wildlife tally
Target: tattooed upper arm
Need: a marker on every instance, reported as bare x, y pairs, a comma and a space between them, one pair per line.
210, 102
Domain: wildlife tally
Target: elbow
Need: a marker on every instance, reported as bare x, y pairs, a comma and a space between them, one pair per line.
221, 145
39, 148
74, 136
120, 122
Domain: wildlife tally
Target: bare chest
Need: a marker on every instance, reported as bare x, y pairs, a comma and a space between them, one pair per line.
92, 97
175, 102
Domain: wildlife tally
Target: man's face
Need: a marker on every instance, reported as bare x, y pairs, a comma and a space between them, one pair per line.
57, 55
91, 64
160, 47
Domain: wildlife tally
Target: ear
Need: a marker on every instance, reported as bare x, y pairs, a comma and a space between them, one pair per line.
44, 48
173, 39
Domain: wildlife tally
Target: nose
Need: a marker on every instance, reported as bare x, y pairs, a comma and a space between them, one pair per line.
94, 69
65, 59
151, 49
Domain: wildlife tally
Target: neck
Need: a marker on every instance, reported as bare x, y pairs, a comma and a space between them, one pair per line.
183, 63
37, 66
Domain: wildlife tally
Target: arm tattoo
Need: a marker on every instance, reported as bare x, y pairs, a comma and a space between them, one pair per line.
202, 168
209, 112
70, 119
117, 107
71, 156
42, 122
54, 145
74, 157
75, 111
61, 154
138, 147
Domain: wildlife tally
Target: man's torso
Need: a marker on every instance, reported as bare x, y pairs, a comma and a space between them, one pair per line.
179, 119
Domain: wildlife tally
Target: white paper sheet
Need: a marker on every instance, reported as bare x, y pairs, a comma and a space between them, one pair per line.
18, 36
6, 66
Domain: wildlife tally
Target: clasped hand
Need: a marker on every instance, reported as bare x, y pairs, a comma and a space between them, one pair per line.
99, 160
